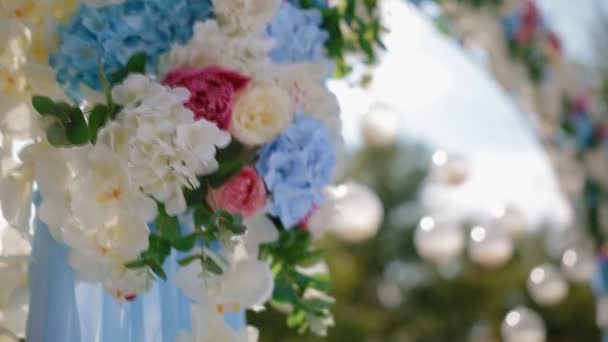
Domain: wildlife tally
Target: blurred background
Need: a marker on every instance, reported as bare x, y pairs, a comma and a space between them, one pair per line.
472, 190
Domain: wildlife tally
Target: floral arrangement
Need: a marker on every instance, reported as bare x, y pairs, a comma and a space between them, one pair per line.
587, 132
530, 40
197, 127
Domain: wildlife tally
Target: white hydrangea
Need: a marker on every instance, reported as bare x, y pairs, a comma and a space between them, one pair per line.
245, 16
212, 45
305, 84
157, 137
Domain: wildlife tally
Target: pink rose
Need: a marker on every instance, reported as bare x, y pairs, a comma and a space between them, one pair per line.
244, 194
212, 91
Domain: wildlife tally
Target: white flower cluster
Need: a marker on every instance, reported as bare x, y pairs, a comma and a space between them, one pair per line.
164, 148
217, 42
303, 83
90, 204
246, 283
249, 16
212, 45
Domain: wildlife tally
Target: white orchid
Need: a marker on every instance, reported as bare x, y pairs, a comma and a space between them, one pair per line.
209, 326
42, 163
260, 229
14, 258
13, 294
247, 283
105, 190
100, 253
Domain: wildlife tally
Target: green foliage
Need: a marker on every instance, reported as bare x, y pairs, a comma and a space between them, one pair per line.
434, 307
531, 56
479, 3
287, 255
354, 27
209, 226
99, 116
67, 125
135, 65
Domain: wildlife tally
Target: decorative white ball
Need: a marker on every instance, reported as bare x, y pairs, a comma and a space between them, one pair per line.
578, 265
546, 285
353, 212
449, 169
601, 313
389, 295
438, 242
510, 219
572, 178
379, 127
523, 325
490, 247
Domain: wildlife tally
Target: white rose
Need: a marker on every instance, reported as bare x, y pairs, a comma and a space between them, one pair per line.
260, 114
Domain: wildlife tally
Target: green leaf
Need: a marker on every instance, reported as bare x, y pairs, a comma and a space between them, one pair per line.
119, 76
43, 105
77, 129
97, 119
157, 268
189, 259
196, 196
202, 215
229, 153
137, 63
296, 319
62, 110
158, 248
311, 258
56, 134
184, 243
139, 263
210, 265
283, 292
225, 171
166, 225
349, 12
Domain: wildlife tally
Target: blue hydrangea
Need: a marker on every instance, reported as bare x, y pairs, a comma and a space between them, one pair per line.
297, 34
109, 35
295, 167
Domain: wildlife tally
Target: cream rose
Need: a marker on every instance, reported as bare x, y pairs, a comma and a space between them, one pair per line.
260, 114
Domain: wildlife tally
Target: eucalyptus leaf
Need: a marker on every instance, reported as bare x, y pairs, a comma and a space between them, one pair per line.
56, 134
97, 119
43, 105
77, 129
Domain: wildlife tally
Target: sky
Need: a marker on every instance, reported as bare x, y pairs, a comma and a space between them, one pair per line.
444, 97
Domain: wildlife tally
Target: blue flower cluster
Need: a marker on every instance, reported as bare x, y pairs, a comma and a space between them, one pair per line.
110, 35
295, 167
297, 34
